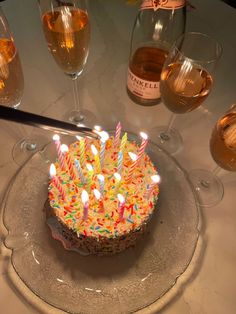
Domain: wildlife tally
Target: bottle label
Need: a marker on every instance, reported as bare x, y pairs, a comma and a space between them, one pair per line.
162, 4
142, 88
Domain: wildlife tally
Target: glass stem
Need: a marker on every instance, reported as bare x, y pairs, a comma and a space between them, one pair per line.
170, 123
76, 94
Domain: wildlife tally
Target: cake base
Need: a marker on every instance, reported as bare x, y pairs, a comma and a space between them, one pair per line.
86, 245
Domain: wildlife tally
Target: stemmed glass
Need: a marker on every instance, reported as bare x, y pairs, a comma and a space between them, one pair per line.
12, 85
223, 150
66, 28
186, 81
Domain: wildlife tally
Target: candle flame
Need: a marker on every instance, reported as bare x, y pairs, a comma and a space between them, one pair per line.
132, 156
100, 177
97, 194
78, 137
84, 197
56, 137
156, 178
121, 198
94, 150
64, 148
52, 170
97, 128
104, 136
117, 176
143, 135
89, 167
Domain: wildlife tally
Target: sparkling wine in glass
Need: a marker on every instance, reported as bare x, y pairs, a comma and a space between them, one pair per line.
186, 81
66, 28
223, 150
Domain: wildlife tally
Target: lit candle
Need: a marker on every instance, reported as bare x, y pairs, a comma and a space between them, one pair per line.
56, 181
104, 137
80, 173
117, 134
100, 202
65, 150
90, 175
56, 139
143, 145
121, 206
120, 162
96, 158
85, 201
155, 179
132, 168
123, 142
101, 181
117, 182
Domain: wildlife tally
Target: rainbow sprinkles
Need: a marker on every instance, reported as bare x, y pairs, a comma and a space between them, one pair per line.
103, 202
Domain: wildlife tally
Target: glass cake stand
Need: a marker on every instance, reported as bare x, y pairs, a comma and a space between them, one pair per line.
145, 275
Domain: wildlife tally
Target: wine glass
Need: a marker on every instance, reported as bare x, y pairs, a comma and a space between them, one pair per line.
223, 150
186, 81
12, 85
66, 28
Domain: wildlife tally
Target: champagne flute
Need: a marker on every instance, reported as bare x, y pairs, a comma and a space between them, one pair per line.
12, 85
186, 81
66, 28
207, 184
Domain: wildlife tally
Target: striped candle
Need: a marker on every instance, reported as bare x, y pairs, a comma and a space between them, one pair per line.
123, 142
155, 179
100, 201
121, 206
104, 137
90, 176
132, 168
56, 139
142, 146
120, 162
117, 182
82, 151
80, 172
96, 158
101, 181
69, 162
117, 135
56, 181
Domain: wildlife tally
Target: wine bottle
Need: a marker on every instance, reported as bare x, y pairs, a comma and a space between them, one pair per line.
157, 25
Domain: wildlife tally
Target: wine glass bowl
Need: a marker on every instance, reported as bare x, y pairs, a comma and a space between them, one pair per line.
66, 28
207, 184
186, 80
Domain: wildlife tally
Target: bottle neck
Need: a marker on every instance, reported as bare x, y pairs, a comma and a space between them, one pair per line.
162, 4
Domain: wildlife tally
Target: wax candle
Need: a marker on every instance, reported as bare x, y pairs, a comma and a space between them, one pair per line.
104, 137
56, 139
123, 142
117, 135
90, 176
121, 206
99, 198
155, 179
101, 181
132, 167
120, 162
96, 158
69, 161
143, 145
80, 172
82, 151
56, 181
85, 201
117, 182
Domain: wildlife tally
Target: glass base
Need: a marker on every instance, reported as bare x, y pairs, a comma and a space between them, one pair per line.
85, 117
24, 149
209, 188
170, 141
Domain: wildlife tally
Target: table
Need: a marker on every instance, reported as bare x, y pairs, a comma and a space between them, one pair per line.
212, 287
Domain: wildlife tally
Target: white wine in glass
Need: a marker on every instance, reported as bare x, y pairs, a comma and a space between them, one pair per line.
66, 28
207, 184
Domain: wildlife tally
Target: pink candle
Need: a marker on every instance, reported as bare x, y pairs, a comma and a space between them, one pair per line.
56, 139
69, 162
85, 201
121, 206
56, 181
117, 134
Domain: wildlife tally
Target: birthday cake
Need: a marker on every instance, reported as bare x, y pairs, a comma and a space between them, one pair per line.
102, 194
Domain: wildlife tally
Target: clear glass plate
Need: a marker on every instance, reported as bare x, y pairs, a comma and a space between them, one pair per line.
126, 282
